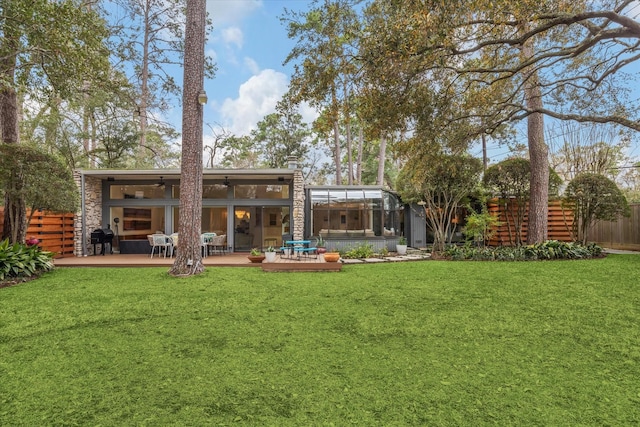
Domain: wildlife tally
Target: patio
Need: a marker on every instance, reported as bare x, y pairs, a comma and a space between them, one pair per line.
282, 263
228, 260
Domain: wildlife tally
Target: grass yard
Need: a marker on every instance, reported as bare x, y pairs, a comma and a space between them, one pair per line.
420, 343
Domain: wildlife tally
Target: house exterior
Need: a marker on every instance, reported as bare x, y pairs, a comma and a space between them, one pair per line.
252, 207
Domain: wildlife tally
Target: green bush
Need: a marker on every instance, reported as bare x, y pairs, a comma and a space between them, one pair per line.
21, 261
364, 250
551, 249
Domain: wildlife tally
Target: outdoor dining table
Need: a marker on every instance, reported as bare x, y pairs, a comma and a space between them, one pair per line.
297, 247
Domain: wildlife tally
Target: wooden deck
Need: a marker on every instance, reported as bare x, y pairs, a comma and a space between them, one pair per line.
230, 260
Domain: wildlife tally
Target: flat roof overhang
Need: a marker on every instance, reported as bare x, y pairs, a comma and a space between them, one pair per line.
234, 175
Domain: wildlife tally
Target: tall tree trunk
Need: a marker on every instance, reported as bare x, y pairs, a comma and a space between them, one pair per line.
336, 136
336, 153
189, 258
144, 82
382, 155
360, 154
15, 214
538, 155
347, 125
349, 152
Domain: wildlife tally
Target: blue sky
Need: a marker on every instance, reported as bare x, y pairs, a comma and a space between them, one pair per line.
249, 45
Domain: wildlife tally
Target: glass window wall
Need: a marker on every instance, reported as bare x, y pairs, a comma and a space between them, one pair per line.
136, 222
261, 191
119, 192
354, 212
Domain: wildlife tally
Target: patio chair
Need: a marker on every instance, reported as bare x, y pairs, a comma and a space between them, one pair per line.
219, 244
174, 240
206, 239
204, 242
162, 242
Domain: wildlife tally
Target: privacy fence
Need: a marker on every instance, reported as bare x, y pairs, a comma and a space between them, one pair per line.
559, 223
621, 234
55, 231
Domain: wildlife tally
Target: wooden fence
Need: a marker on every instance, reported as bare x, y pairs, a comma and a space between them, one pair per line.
559, 224
55, 231
621, 234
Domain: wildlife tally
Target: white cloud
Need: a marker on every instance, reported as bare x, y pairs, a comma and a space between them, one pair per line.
252, 65
308, 113
257, 98
233, 35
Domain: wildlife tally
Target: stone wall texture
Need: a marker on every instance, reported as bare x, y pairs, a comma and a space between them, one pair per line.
298, 205
92, 214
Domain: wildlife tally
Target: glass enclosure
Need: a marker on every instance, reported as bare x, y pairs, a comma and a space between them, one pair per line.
354, 212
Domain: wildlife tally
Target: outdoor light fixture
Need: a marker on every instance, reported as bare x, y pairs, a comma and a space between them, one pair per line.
202, 97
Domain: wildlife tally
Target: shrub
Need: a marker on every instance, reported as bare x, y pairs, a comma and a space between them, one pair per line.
481, 226
22, 261
593, 198
551, 249
363, 250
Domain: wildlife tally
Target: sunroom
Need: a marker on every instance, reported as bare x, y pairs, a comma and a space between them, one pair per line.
348, 216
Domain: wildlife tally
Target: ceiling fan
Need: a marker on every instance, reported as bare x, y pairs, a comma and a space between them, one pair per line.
161, 183
226, 181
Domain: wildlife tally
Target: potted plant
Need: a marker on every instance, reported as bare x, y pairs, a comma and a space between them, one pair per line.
270, 254
401, 246
321, 245
332, 256
256, 256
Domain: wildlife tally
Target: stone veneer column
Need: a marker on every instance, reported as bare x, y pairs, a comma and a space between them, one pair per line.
298, 205
92, 211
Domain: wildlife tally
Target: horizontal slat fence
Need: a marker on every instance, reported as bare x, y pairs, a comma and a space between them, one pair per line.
621, 234
55, 231
559, 223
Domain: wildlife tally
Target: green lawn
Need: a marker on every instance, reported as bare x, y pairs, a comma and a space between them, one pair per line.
418, 343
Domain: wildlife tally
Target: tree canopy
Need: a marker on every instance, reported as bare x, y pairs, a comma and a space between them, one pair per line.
42, 180
593, 197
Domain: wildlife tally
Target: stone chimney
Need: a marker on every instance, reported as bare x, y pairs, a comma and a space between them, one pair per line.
292, 162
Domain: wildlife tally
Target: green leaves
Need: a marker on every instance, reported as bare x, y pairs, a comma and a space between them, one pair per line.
594, 197
549, 250
41, 179
19, 260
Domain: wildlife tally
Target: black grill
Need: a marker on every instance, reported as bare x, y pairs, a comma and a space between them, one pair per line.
102, 237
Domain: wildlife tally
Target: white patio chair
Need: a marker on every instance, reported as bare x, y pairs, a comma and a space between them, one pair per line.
206, 240
162, 242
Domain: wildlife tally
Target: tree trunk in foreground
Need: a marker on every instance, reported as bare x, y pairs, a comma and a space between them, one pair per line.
189, 258
538, 157
15, 213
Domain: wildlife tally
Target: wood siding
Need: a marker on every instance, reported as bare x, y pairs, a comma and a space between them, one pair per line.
559, 223
621, 234
55, 231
